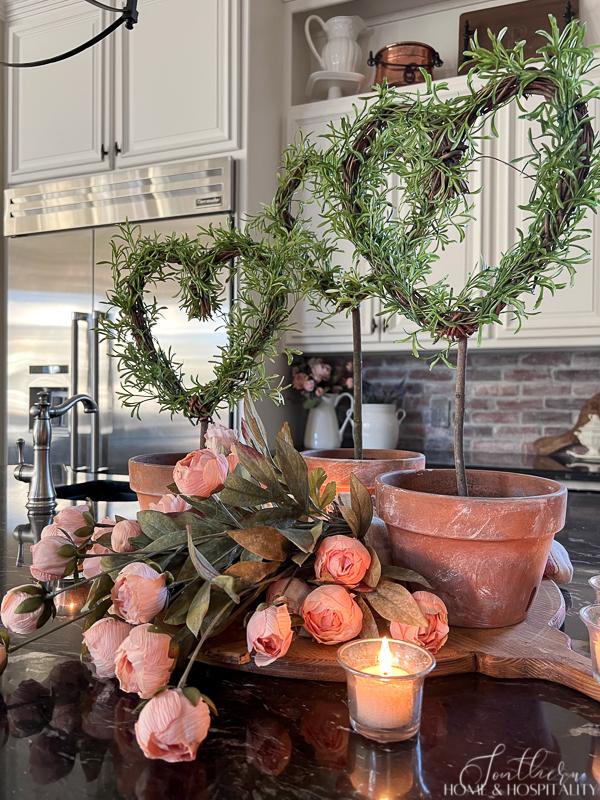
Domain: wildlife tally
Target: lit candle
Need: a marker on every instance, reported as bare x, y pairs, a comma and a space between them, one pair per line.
385, 686
591, 616
594, 582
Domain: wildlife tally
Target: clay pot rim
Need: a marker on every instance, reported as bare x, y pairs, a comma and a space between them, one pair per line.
345, 455
556, 489
157, 459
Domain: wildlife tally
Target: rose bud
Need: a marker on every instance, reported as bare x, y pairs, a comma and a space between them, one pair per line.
102, 640
331, 616
201, 473
52, 557
22, 622
103, 526
342, 559
143, 661
139, 593
268, 745
71, 520
170, 504
171, 727
292, 590
433, 636
559, 567
122, 533
220, 439
30, 709
92, 563
269, 634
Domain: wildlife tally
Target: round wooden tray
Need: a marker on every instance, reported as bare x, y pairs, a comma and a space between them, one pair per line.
533, 649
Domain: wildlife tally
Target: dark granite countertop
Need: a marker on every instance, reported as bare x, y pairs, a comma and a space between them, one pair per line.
64, 735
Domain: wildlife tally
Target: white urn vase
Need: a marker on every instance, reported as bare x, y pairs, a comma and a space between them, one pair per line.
380, 425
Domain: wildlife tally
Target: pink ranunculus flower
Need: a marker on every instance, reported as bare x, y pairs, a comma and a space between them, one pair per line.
320, 371
298, 380
349, 383
171, 727
47, 563
433, 636
331, 616
51, 530
139, 593
220, 439
71, 519
170, 504
309, 385
342, 559
103, 526
122, 533
142, 661
293, 590
92, 564
23, 624
201, 473
319, 391
269, 634
102, 640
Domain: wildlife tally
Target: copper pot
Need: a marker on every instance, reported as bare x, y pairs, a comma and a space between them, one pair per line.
399, 64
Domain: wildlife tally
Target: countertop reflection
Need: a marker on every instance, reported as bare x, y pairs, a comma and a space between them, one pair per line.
63, 734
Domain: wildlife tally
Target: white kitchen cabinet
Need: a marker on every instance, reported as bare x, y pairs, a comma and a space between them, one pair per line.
177, 81
167, 89
57, 114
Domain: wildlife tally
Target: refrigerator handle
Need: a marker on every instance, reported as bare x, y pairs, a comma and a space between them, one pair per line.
78, 316
95, 386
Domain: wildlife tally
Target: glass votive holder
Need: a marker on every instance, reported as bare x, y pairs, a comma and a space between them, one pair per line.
594, 582
71, 598
385, 687
381, 771
591, 617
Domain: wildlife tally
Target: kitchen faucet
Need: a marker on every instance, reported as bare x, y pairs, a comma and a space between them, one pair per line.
42, 494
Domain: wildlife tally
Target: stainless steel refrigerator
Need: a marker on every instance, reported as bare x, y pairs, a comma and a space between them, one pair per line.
60, 234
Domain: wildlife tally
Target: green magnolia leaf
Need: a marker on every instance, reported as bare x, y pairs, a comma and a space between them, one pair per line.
66, 551
29, 605
328, 494
373, 574
253, 426
303, 538
203, 566
242, 493
404, 574
177, 610
321, 497
361, 504
260, 469
155, 524
98, 612
168, 541
100, 588
294, 470
369, 628
228, 584
263, 541
352, 521
198, 608
251, 572
396, 604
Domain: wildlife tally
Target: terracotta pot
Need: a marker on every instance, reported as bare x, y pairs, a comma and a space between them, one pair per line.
150, 475
339, 464
484, 554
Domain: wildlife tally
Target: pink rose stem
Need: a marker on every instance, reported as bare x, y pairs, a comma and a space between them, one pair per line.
357, 385
43, 633
194, 656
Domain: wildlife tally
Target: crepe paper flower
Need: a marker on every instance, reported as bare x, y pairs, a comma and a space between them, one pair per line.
143, 661
202, 472
22, 622
170, 504
269, 634
122, 533
102, 640
139, 593
220, 439
92, 567
71, 519
292, 590
331, 616
171, 727
52, 557
433, 636
342, 559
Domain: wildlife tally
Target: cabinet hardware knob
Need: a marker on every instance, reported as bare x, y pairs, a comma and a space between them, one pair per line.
373, 325
117, 149
103, 152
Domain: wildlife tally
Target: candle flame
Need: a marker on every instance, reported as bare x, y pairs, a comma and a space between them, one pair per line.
385, 657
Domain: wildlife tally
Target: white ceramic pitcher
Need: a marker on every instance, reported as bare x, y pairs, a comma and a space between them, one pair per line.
380, 425
322, 430
341, 52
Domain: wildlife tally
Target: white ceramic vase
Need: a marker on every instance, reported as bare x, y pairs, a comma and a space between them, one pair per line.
341, 52
323, 432
380, 425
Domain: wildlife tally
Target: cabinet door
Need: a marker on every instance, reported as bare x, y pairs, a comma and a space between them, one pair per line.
177, 81
57, 114
335, 333
572, 315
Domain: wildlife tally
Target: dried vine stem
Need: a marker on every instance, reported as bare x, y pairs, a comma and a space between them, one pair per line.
357, 385
459, 416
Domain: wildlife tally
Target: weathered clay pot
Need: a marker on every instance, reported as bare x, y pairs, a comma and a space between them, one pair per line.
150, 475
339, 464
484, 554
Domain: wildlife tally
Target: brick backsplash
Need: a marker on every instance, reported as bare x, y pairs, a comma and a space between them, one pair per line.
513, 397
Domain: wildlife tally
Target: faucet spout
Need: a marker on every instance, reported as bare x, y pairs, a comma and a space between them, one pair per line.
89, 405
